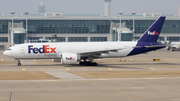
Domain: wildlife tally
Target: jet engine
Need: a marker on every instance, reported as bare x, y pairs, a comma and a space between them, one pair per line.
69, 58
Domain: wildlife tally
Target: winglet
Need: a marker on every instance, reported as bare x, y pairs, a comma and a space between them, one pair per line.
152, 34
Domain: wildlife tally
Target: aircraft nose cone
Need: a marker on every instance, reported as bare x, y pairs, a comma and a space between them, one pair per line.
7, 53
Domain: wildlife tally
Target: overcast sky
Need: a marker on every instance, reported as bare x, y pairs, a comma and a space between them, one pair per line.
91, 6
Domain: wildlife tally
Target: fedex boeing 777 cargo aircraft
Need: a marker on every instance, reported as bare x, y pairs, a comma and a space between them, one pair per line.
73, 52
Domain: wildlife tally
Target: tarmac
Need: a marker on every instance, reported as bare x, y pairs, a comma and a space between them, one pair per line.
134, 78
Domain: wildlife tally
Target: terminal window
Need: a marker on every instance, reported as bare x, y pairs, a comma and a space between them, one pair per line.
98, 39
34, 38
68, 26
136, 38
161, 39
173, 38
4, 26
77, 39
3, 39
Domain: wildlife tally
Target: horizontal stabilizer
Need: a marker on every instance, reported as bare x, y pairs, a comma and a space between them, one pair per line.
155, 46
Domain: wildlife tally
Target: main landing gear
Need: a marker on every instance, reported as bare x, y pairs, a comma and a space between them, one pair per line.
88, 63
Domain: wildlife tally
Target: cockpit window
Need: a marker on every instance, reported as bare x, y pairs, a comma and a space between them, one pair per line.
8, 49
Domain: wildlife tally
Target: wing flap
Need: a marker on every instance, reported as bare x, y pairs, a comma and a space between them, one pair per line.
100, 51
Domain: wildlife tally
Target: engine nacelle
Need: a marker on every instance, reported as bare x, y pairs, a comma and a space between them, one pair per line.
69, 58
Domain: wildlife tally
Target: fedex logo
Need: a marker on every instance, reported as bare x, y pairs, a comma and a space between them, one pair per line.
71, 58
153, 33
43, 49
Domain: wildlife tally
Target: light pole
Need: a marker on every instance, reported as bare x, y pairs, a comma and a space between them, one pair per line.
115, 33
119, 34
12, 31
26, 12
133, 13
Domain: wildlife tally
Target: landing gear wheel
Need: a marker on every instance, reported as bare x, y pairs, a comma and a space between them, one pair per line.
19, 64
18, 61
174, 49
87, 63
94, 64
81, 63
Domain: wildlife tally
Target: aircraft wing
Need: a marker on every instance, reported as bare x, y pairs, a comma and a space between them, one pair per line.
94, 52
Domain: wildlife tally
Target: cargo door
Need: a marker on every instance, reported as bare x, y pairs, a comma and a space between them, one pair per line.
22, 51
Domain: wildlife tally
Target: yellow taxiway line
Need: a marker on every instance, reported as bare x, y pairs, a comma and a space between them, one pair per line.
152, 68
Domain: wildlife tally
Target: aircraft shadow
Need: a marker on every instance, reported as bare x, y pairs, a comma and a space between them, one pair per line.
116, 65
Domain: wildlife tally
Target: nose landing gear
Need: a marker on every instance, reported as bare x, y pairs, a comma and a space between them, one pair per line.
19, 62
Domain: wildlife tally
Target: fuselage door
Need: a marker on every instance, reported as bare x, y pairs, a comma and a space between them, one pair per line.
22, 50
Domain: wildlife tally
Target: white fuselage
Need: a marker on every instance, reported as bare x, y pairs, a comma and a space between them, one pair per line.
73, 52
53, 51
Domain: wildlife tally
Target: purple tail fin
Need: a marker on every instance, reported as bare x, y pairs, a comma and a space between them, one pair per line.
152, 34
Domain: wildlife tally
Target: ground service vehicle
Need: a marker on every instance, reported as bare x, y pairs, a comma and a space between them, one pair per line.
174, 46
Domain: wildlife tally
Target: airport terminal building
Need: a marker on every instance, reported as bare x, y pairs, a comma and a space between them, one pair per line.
82, 28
